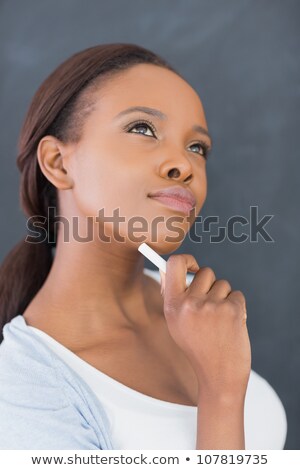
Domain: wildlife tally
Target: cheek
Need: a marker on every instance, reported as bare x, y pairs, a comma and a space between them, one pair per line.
199, 185
94, 186
114, 190
203, 190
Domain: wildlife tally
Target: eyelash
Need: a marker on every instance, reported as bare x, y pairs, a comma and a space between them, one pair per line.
128, 128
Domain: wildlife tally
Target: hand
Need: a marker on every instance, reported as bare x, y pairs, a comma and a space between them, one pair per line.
207, 320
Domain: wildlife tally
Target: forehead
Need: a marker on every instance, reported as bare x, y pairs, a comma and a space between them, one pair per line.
152, 86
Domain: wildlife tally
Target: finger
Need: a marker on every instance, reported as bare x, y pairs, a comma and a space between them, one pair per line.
202, 282
238, 298
220, 289
175, 278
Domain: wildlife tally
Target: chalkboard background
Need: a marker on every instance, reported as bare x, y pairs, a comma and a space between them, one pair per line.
242, 57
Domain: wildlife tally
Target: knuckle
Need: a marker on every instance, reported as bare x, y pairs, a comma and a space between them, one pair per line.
210, 305
223, 305
189, 306
228, 308
225, 283
193, 305
239, 294
208, 271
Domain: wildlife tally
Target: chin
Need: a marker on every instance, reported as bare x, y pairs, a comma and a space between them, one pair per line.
163, 247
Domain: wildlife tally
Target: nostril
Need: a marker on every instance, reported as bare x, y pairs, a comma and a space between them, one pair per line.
174, 173
188, 178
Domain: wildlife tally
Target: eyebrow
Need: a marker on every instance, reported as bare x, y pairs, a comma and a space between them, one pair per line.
162, 116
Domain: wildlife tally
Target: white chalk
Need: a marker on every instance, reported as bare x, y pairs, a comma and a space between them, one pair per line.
154, 257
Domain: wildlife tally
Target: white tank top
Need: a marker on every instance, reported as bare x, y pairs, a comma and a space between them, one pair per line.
139, 421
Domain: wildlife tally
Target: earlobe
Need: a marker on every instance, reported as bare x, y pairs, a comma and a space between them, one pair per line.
50, 154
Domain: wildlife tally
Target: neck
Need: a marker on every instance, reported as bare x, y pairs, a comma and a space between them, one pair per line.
91, 289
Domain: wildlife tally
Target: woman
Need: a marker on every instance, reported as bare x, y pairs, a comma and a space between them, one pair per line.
94, 357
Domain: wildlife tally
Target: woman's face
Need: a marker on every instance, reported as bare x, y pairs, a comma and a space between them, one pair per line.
118, 162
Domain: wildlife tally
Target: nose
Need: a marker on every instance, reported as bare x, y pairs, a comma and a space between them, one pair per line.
178, 168
178, 175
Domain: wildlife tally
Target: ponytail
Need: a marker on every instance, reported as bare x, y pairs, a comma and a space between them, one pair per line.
22, 274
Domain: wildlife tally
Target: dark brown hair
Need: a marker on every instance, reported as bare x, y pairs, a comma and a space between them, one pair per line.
58, 108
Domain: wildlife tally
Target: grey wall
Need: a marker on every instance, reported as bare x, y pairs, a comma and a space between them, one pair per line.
242, 56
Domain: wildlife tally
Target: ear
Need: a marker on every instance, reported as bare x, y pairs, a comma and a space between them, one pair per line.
52, 157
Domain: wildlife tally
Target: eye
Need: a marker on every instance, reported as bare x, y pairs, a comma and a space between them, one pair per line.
148, 125
142, 125
205, 148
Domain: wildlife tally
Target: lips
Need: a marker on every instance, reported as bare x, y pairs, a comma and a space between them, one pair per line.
176, 198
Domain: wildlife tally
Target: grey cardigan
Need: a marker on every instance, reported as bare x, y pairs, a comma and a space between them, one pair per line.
44, 404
